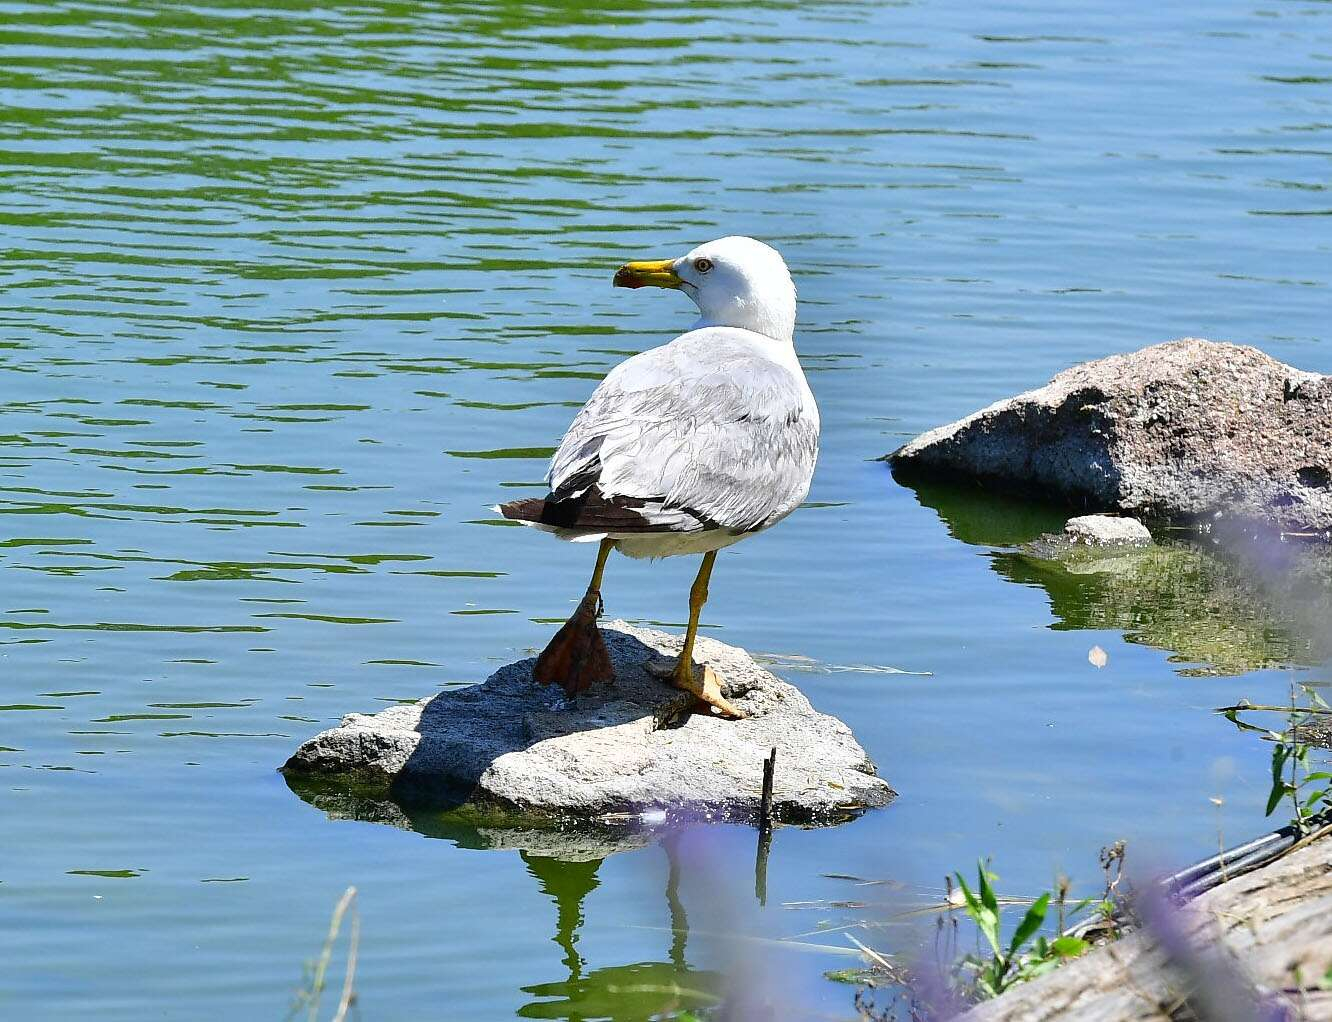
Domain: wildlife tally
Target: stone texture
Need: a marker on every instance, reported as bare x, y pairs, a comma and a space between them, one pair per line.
1180, 431
1106, 530
624, 749
1265, 929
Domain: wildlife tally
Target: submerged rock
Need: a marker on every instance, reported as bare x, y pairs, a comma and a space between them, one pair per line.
1107, 530
1090, 538
1214, 612
1182, 430
1220, 604
511, 744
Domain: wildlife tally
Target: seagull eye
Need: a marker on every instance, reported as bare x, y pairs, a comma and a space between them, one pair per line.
702, 265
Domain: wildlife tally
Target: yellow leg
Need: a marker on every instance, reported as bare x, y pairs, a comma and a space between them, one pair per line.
602, 553
698, 595
703, 683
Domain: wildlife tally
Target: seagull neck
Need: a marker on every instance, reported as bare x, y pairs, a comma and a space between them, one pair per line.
765, 322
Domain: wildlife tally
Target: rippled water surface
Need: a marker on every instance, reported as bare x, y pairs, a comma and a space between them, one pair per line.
292, 294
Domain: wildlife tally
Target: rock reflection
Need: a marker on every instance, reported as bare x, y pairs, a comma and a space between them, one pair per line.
1205, 611
470, 826
1220, 605
564, 862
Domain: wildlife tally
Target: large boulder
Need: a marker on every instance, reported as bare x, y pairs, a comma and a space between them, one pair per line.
627, 749
1178, 431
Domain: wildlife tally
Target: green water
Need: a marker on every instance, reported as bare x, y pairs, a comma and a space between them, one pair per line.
292, 294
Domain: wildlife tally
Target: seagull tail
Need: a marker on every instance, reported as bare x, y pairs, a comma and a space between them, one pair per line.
585, 514
528, 510
537, 513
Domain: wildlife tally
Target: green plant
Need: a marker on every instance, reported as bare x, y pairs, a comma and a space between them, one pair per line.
1309, 791
1025, 956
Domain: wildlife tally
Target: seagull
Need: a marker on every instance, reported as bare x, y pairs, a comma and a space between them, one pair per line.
683, 449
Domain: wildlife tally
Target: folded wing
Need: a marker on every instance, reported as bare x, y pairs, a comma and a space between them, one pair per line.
707, 432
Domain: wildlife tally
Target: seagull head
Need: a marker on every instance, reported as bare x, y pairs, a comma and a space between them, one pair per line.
735, 282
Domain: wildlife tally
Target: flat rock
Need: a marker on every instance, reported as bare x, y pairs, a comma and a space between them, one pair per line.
1107, 530
1182, 431
627, 748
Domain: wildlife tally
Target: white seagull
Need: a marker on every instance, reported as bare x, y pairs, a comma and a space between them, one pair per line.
685, 448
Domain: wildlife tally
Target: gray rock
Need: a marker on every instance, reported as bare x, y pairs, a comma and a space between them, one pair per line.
513, 745
1106, 530
1181, 431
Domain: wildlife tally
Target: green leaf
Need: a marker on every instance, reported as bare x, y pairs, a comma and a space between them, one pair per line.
1040, 968
1231, 716
987, 894
1279, 791
1279, 754
973, 905
855, 977
986, 921
1031, 922
983, 909
1069, 947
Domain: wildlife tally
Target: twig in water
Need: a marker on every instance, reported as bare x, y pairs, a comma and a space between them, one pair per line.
765, 800
765, 830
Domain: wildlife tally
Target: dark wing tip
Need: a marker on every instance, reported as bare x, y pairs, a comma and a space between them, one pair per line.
588, 511
526, 510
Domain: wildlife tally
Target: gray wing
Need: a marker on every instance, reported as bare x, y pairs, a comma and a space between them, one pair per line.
704, 432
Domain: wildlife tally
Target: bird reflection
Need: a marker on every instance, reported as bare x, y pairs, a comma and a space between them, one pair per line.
619, 992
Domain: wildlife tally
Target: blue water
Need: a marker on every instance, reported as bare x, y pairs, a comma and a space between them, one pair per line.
294, 293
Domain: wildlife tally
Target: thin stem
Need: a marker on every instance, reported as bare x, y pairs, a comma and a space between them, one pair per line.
321, 969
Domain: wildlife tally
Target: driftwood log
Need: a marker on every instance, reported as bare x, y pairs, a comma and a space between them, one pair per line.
1258, 942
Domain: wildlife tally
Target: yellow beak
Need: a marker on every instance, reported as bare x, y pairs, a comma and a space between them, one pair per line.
648, 273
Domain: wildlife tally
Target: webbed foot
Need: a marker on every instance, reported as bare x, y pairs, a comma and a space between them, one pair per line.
701, 680
576, 658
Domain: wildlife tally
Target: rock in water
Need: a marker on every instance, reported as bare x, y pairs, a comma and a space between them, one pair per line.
514, 745
1105, 530
1180, 430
